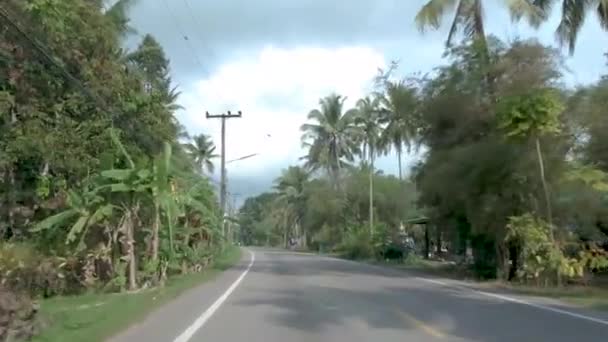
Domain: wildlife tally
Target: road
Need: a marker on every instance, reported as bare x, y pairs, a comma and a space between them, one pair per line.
287, 297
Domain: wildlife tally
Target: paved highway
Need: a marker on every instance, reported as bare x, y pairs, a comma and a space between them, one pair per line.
287, 297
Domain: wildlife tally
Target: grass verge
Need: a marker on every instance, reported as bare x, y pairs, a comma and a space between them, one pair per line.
96, 317
591, 297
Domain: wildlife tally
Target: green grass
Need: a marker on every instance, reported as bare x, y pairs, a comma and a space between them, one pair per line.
592, 297
414, 263
96, 317
583, 296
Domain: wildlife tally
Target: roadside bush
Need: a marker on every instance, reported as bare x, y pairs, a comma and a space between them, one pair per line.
391, 244
357, 244
18, 316
24, 269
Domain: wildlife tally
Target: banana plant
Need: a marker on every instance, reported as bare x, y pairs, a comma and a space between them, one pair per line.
130, 181
160, 189
189, 205
86, 209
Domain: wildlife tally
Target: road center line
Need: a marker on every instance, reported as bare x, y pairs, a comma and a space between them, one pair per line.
518, 301
421, 325
204, 317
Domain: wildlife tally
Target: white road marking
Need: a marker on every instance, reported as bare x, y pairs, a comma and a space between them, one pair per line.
518, 301
288, 252
204, 317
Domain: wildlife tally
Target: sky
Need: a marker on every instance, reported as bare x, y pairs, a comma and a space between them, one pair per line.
274, 59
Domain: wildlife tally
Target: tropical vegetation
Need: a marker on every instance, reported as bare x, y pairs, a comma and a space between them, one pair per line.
511, 180
102, 191
98, 191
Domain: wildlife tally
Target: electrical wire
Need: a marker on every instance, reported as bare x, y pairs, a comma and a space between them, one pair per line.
101, 104
195, 20
184, 36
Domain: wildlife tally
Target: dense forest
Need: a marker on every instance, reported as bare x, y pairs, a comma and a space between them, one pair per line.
100, 187
513, 176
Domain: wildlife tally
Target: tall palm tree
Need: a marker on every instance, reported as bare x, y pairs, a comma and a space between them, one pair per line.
117, 12
468, 18
369, 120
290, 187
574, 13
333, 139
202, 151
399, 114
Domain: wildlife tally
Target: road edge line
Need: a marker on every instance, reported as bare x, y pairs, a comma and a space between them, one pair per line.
518, 301
187, 334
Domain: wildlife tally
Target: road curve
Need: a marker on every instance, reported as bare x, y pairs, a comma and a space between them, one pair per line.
287, 297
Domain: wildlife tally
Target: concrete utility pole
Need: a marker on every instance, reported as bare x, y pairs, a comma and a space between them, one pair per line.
223, 117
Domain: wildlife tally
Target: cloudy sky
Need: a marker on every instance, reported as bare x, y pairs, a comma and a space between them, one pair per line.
274, 59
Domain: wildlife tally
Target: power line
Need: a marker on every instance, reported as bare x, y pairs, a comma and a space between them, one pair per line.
52, 60
184, 35
194, 20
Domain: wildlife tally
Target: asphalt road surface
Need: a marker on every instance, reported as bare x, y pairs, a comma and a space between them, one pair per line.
287, 297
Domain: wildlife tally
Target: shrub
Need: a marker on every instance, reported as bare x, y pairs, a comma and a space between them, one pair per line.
357, 244
24, 269
18, 316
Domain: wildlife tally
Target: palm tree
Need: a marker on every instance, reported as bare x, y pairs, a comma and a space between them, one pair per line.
468, 18
290, 187
333, 140
399, 109
468, 15
202, 151
118, 15
574, 13
369, 120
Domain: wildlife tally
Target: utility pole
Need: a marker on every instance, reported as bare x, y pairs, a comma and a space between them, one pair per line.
223, 117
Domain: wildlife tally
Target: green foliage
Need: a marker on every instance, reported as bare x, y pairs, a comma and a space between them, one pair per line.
468, 15
540, 256
202, 151
25, 269
356, 244
333, 137
86, 173
533, 114
590, 176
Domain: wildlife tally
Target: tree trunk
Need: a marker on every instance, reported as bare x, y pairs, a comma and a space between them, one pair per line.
10, 231
541, 167
481, 37
427, 241
155, 231
128, 222
438, 240
187, 230
371, 194
399, 152
170, 225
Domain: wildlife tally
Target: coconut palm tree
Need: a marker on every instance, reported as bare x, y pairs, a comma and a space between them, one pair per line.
468, 19
574, 13
369, 120
468, 15
399, 109
202, 151
333, 139
290, 187
117, 11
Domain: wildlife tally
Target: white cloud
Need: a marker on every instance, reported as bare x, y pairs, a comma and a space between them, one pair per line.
275, 89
